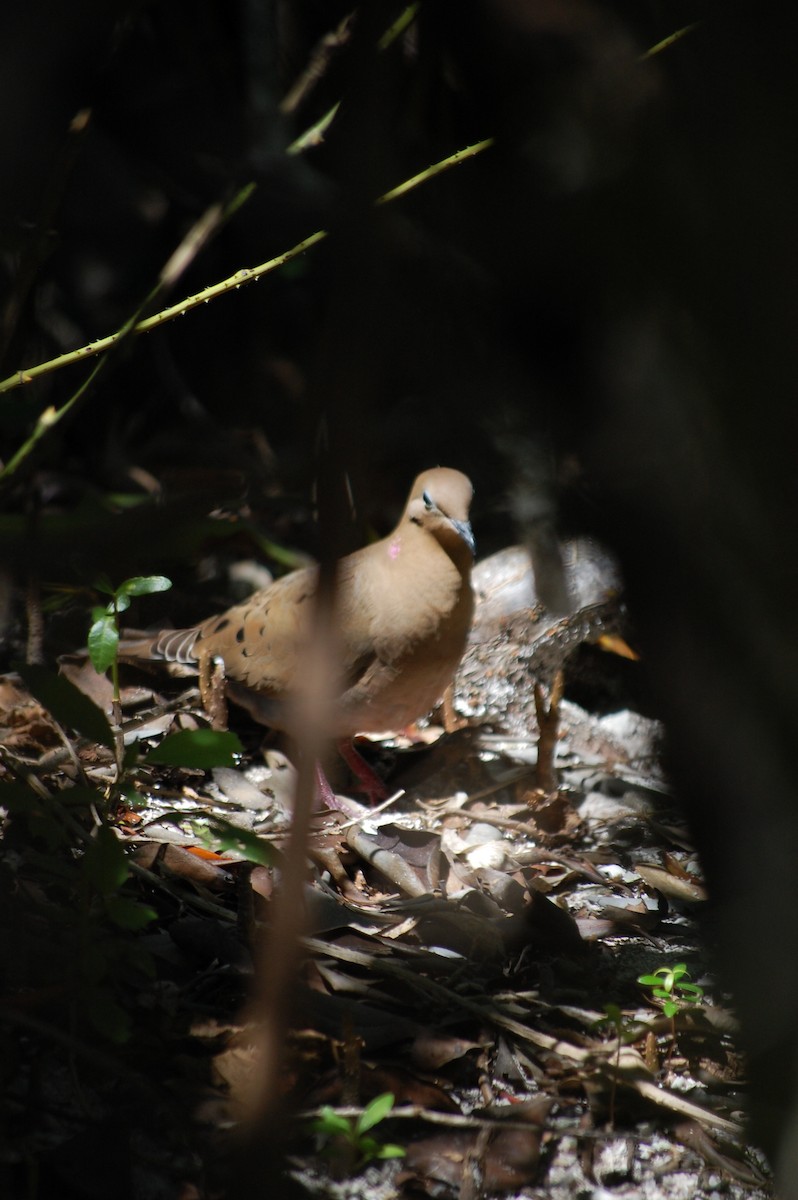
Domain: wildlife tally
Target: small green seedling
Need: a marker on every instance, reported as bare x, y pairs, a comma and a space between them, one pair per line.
350, 1134
103, 638
669, 989
671, 993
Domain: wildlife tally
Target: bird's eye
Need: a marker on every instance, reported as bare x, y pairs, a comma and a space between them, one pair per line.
425, 496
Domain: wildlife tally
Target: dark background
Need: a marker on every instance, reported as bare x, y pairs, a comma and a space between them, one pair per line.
596, 319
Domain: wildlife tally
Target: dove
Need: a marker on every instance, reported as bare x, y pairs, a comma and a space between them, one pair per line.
403, 610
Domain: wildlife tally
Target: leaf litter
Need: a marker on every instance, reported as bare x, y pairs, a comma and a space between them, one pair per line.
463, 948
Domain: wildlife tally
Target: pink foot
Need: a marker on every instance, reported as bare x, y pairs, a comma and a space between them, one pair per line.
370, 782
350, 808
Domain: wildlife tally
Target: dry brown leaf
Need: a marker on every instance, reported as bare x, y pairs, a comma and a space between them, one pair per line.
82, 674
25, 727
438, 1165
431, 1050
179, 860
692, 1135
675, 887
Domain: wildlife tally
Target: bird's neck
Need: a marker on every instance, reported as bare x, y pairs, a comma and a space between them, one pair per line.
406, 542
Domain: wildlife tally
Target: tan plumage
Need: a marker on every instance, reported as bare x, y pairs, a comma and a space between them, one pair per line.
403, 605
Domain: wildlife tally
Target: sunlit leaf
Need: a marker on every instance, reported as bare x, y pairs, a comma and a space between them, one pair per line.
330, 1123
143, 585
376, 1111
103, 641
199, 748
226, 836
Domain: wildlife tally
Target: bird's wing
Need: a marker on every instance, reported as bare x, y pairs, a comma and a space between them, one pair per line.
261, 640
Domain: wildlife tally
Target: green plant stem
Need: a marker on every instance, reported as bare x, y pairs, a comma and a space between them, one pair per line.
669, 41
116, 707
314, 136
116, 698
402, 22
436, 169
232, 283
51, 416
190, 246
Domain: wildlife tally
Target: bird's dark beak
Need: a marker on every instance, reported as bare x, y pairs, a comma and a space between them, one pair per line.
467, 534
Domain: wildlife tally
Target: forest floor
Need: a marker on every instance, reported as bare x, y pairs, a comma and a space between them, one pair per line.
469, 975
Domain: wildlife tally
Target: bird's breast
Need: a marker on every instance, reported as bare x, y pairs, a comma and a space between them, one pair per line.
423, 610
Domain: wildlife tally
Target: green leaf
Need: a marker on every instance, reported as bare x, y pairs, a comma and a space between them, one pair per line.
670, 1008
368, 1148
222, 835
105, 863
330, 1123
389, 1150
68, 704
126, 500
615, 1021
103, 642
129, 914
199, 748
375, 1112
649, 980
143, 585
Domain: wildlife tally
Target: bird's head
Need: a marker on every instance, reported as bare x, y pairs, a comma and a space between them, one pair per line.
438, 504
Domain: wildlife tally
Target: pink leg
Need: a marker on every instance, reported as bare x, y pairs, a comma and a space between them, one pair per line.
323, 790
370, 782
325, 794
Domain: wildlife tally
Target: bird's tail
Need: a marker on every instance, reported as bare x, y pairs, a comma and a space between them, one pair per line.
170, 645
